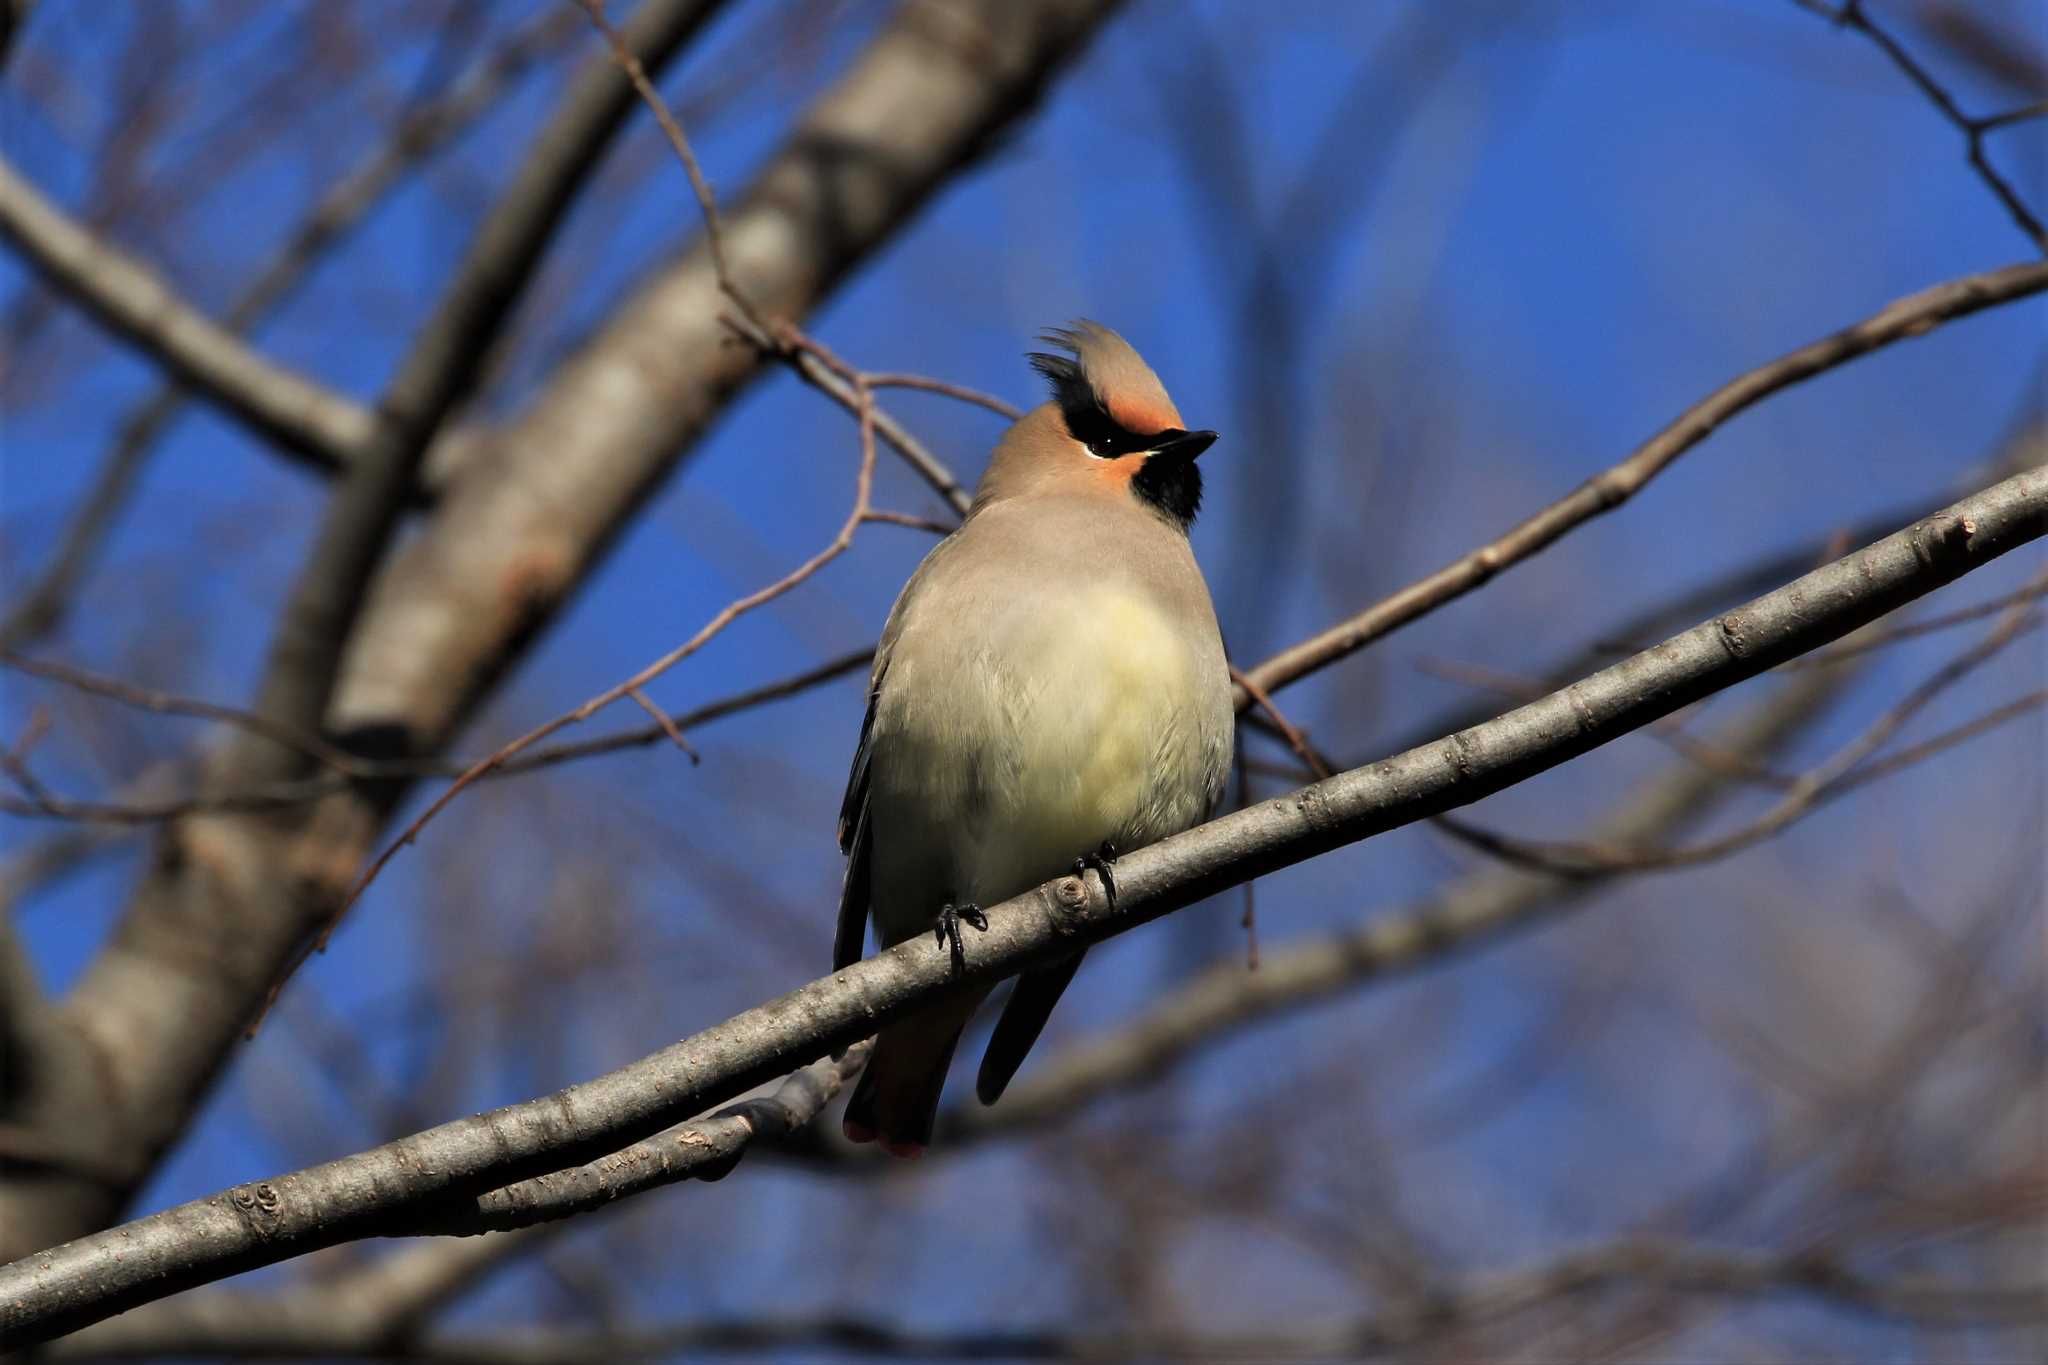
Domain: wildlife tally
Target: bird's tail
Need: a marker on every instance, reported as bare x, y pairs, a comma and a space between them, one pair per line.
897, 1095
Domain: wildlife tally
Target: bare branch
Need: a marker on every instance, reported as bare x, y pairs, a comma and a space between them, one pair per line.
1947, 739
129, 298
1852, 14
926, 384
778, 337
388, 1300
147, 803
702, 1149
159, 1009
423, 131
155, 700
714, 234
41, 607
389, 1187
442, 365
1675, 1268
1912, 316
1482, 907
1804, 795
1913, 630
732, 611
391, 1299
852, 389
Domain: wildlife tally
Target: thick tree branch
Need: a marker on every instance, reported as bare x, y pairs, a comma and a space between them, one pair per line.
921, 105
1913, 316
444, 1170
420, 133
441, 367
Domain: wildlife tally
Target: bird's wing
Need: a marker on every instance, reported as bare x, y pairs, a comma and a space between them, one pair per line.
1023, 1019
856, 842
856, 836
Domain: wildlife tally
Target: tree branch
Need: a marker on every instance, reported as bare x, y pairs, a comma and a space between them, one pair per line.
446, 1169
702, 1149
131, 300
1806, 792
365, 1310
159, 1009
1913, 316
1851, 14
146, 800
1482, 907
1675, 1268
391, 1299
422, 131
442, 366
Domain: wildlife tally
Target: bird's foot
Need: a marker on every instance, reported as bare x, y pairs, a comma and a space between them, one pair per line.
1099, 862
947, 930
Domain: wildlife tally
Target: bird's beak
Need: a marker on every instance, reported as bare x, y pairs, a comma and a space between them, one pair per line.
1185, 445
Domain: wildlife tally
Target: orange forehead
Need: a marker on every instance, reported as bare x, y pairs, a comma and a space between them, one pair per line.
1139, 414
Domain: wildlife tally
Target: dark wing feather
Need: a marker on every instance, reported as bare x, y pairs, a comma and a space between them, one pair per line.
1023, 1019
856, 843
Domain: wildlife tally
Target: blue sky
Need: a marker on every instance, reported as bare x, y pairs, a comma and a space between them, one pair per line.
1549, 229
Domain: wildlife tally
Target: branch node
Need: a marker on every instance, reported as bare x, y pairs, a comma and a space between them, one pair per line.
1732, 637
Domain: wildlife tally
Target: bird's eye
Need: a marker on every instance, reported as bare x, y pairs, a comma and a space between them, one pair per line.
1101, 434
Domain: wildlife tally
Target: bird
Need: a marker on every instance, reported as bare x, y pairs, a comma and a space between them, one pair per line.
1050, 691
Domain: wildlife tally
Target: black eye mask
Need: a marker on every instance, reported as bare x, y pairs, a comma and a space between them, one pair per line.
1169, 481
1088, 421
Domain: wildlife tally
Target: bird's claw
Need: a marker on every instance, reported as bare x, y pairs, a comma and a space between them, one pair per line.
947, 930
1099, 862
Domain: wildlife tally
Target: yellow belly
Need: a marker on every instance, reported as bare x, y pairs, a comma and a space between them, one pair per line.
1057, 732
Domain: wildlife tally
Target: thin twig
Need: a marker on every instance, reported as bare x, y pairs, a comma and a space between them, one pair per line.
667, 726
731, 612
714, 234
1806, 793
782, 338
1879, 639
1669, 731
1635, 1264
1296, 739
278, 795
168, 703
1851, 14
915, 523
1912, 316
1934, 744
895, 380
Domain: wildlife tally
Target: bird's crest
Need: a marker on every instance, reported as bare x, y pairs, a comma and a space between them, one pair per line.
1100, 378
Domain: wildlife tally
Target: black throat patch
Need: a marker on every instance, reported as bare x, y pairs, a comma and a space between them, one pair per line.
1172, 484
